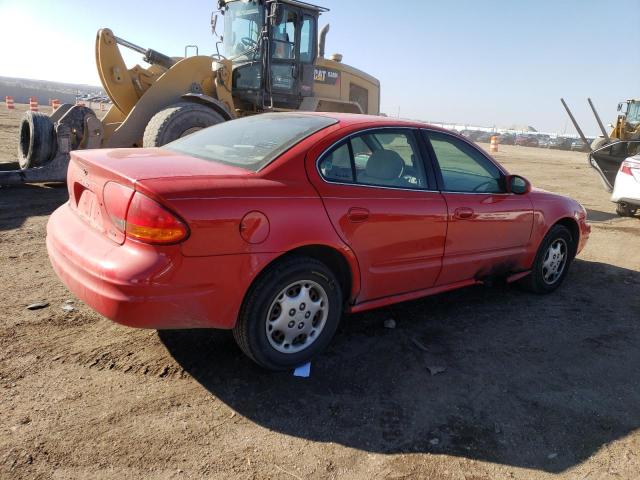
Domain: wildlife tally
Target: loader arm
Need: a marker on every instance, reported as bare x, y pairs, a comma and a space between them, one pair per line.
123, 86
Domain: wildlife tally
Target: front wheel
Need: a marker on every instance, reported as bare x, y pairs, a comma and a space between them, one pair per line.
625, 210
290, 314
552, 261
178, 121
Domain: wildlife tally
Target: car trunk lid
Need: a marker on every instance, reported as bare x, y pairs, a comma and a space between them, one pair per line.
91, 170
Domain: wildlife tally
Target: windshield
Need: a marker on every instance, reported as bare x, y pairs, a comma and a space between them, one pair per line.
633, 112
242, 27
251, 142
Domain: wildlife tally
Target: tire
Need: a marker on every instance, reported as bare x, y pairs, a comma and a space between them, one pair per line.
177, 121
261, 331
625, 210
37, 141
598, 143
539, 281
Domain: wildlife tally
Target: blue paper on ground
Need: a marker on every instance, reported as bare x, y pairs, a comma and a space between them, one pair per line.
303, 371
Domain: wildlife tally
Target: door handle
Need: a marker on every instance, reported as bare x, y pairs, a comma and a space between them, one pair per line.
358, 214
463, 213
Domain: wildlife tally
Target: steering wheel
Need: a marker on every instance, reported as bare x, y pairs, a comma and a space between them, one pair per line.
248, 42
488, 182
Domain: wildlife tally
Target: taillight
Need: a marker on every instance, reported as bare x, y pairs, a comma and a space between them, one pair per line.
116, 199
631, 167
150, 222
140, 217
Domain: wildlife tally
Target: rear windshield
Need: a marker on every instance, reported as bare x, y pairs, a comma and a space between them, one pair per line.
251, 142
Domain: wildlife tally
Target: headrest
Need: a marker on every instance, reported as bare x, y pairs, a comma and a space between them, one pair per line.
385, 165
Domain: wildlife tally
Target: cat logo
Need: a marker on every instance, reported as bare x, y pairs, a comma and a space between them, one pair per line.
326, 76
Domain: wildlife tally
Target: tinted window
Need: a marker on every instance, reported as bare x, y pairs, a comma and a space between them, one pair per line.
388, 159
250, 142
464, 169
336, 166
284, 35
307, 40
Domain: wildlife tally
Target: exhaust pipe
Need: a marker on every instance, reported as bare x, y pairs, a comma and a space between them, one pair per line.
322, 40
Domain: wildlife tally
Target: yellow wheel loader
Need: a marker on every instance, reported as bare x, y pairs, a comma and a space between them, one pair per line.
272, 59
607, 152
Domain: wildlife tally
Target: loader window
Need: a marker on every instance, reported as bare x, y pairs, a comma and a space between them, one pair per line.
307, 39
284, 36
243, 22
633, 113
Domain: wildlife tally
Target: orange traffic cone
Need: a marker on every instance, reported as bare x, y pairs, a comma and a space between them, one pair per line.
33, 104
494, 144
10, 104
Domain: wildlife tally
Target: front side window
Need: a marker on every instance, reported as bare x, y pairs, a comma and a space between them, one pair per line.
386, 158
242, 26
251, 142
464, 169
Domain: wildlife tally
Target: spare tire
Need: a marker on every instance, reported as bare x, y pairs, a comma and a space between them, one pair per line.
178, 121
37, 144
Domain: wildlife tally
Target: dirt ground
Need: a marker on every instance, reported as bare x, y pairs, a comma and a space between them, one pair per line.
533, 387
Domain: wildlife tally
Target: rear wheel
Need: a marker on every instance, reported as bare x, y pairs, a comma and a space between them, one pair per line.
37, 144
552, 261
290, 314
625, 210
178, 121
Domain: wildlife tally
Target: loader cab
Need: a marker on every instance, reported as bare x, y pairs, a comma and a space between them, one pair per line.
632, 112
273, 45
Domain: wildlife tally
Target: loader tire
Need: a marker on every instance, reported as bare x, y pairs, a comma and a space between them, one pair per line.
37, 142
178, 121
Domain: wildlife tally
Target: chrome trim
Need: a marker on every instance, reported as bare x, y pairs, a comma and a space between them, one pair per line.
353, 184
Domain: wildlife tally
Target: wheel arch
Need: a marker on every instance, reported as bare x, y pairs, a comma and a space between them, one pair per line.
210, 102
342, 263
574, 229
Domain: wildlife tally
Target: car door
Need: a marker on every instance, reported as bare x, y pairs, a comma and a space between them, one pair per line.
488, 229
379, 198
607, 160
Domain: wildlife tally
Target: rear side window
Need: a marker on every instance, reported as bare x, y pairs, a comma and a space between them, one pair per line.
388, 158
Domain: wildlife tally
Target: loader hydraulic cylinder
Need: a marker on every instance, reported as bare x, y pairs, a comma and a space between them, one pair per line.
151, 56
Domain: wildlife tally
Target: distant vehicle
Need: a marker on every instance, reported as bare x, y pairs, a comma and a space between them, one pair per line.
485, 137
506, 139
543, 141
526, 141
471, 134
560, 143
200, 233
578, 145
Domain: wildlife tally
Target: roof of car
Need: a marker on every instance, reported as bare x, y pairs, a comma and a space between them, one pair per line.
347, 119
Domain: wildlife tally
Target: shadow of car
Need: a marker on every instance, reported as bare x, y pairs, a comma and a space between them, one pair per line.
534, 382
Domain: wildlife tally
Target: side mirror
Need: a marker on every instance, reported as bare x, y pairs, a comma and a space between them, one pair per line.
214, 23
517, 185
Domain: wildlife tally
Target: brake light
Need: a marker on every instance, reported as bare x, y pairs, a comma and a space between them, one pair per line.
628, 165
150, 222
138, 216
116, 199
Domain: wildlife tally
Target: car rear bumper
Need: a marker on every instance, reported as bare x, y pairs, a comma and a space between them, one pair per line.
143, 286
626, 190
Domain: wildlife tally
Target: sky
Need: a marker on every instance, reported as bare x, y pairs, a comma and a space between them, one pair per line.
483, 62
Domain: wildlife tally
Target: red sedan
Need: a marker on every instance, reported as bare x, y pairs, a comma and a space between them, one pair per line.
276, 224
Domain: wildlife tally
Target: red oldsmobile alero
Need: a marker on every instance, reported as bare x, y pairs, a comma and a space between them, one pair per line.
275, 224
